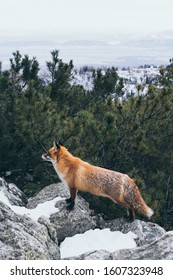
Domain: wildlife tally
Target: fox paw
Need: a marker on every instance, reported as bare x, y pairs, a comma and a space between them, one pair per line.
70, 206
68, 200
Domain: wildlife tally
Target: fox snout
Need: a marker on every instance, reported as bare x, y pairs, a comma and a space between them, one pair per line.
46, 157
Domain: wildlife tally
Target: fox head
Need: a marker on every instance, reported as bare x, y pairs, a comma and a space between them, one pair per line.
54, 153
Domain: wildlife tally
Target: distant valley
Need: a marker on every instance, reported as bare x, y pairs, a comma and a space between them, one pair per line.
119, 51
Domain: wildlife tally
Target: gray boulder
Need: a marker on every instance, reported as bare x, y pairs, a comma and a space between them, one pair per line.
23, 239
48, 193
67, 223
161, 249
13, 193
92, 255
146, 232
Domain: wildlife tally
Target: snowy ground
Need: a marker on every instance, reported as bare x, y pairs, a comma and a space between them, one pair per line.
131, 78
80, 243
96, 240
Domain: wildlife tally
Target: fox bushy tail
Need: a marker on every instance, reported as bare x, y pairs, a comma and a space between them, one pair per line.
134, 198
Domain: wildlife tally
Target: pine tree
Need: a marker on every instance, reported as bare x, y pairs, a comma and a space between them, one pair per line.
60, 78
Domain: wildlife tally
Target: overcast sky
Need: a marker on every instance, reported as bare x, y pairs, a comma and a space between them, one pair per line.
84, 17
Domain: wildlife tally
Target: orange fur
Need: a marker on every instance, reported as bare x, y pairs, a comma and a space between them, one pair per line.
80, 175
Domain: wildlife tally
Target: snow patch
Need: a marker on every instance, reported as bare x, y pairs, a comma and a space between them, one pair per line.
96, 239
43, 209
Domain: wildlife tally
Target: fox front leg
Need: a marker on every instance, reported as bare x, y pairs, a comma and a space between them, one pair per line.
71, 201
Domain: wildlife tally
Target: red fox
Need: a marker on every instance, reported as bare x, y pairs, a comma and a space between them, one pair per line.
80, 175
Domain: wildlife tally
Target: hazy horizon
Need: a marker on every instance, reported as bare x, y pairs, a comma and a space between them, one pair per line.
90, 32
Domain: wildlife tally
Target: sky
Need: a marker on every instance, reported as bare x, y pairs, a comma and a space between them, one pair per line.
84, 17
50, 24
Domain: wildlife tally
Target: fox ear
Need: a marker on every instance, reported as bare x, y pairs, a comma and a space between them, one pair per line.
56, 146
60, 143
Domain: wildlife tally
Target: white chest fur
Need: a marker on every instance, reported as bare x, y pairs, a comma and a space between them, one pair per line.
60, 175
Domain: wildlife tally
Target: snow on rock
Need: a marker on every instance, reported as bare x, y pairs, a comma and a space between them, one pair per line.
145, 232
23, 239
96, 240
43, 209
13, 193
67, 223
161, 249
34, 230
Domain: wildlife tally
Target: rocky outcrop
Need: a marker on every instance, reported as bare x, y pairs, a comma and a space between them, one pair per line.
48, 193
67, 223
23, 238
13, 193
146, 232
152, 242
93, 255
161, 249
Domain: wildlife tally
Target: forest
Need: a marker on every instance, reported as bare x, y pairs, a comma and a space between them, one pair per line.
131, 135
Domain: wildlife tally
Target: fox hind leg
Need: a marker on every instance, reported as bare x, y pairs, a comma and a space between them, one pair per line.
131, 214
130, 209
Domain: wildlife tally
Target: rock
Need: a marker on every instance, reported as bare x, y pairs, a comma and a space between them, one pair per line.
146, 232
13, 193
161, 249
1, 216
50, 228
48, 193
94, 255
23, 239
67, 223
